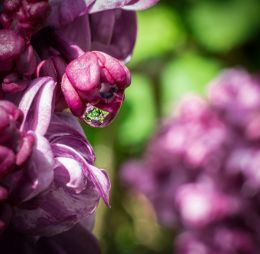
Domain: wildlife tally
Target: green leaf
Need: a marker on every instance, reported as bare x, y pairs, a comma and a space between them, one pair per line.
137, 116
222, 25
189, 73
159, 31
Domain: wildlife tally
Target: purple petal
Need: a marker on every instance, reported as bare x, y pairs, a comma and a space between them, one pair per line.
37, 105
140, 4
101, 5
7, 160
77, 33
36, 176
72, 98
56, 210
97, 176
102, 26
65, 129
64, 12
113, 38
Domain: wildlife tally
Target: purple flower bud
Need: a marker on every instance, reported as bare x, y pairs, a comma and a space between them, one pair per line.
11, 46
13, 83
7, 161
15, 149
23, 66
53, 67
93, 87
24, 16
11, 118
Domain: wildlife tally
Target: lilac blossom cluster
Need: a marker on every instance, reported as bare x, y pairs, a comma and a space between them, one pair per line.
201, 170
57, 55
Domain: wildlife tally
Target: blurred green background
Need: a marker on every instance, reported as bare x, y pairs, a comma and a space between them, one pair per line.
181, 46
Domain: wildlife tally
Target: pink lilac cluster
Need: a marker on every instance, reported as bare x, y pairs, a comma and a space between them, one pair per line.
60, 61
201, 169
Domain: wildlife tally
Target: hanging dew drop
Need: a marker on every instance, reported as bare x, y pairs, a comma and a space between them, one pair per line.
95, 117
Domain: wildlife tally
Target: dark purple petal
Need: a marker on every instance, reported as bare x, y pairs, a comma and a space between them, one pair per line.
102, 26
15, 113
53, 67
7, 161
77, 240
77, 33
64, 12
113, 38
37, 174
27, 62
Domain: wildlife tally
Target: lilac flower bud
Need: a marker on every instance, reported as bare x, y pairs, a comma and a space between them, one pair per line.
13, 83
11, 46
20, 67
15, 148
11, 118
24, 16
53, 67
7, 161
93, 87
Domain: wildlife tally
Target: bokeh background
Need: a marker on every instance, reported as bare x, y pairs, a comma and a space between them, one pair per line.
181, 46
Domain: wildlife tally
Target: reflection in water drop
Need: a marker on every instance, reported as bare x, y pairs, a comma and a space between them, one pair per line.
96, 117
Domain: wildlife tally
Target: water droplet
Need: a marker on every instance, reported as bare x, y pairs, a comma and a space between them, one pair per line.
96, 117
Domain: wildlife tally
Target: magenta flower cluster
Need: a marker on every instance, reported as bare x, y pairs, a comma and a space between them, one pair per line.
57, 55
201, 170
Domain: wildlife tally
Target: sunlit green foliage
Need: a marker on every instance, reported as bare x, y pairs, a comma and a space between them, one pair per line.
181, 46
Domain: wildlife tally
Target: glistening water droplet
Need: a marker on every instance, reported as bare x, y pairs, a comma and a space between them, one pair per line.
96, 117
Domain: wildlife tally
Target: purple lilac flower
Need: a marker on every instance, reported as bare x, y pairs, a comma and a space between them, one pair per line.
200, 170
49, 186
